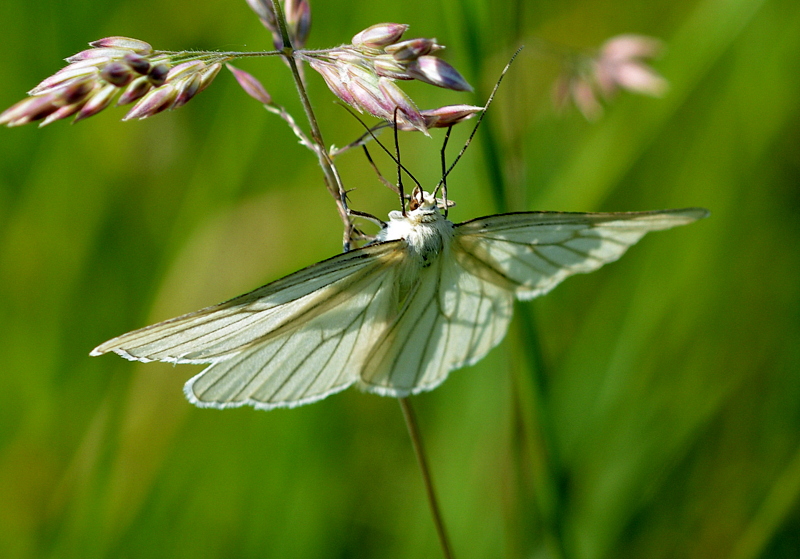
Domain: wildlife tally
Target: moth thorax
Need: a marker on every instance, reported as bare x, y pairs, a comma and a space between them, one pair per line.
429, 235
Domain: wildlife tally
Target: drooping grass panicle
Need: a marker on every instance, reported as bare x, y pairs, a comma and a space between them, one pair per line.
117, 67
362, 73
590, 80
443, 117
298, 20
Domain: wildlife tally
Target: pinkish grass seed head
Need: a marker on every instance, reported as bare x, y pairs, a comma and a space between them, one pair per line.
207, 76
406, 51
379, 35
126, 43
618, 65
251, 85
187, 88
135, 90
138, 63
298, 20
99, 100
118, 74
435, 71
154, 102
362, 74
94, 77
158, 74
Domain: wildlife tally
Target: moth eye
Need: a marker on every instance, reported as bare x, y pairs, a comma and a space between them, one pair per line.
416, 199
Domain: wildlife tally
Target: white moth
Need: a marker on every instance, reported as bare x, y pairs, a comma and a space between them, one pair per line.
395, 316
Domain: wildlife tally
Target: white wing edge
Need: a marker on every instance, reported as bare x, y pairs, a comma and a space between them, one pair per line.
267, 289
688, 215
189, 393
645, 221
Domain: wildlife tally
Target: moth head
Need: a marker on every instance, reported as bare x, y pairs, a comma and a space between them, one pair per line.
421, 201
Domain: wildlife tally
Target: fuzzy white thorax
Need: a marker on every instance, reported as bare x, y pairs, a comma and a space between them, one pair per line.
423, 228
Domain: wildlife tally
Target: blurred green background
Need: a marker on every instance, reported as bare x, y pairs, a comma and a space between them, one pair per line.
659, 416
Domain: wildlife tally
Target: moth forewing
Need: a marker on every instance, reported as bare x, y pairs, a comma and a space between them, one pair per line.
220, 331
321, 353
304, 365
532, 252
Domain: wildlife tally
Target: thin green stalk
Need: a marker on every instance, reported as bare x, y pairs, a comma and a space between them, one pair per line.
538, 439
211, 54
532, 413
782, 497
419, 450
334, 186
332, 181
208, 56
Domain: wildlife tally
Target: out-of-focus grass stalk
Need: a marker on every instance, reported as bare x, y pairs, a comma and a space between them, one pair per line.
706, 34
778, 504
335, 188
419, 451
326, 164
536, 456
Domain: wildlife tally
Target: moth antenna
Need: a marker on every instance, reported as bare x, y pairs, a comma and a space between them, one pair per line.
399, 170
369, 217
443, 181
387, 183
361, 140
480, 117
383, 147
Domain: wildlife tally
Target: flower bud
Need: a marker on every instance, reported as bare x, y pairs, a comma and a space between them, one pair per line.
60, 79
187, 88
158, 74
91, 54
263, 9
136, 90
368, 97
27, 110
154, 102
298, 17
436, 71
638, 78
117, 73
333, 79
123, 43
379, 35
388, 67
180, 71
207, 76
76, 91
138, 63
620, 65
406, 51
97, 102
251, 85
443, 117
62, 113
404, 104
449, 115
626, 47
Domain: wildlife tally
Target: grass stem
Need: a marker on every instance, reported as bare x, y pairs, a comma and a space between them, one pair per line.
419, 450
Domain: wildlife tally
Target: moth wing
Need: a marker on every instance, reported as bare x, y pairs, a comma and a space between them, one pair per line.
530, 253
293, 341
449, 319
